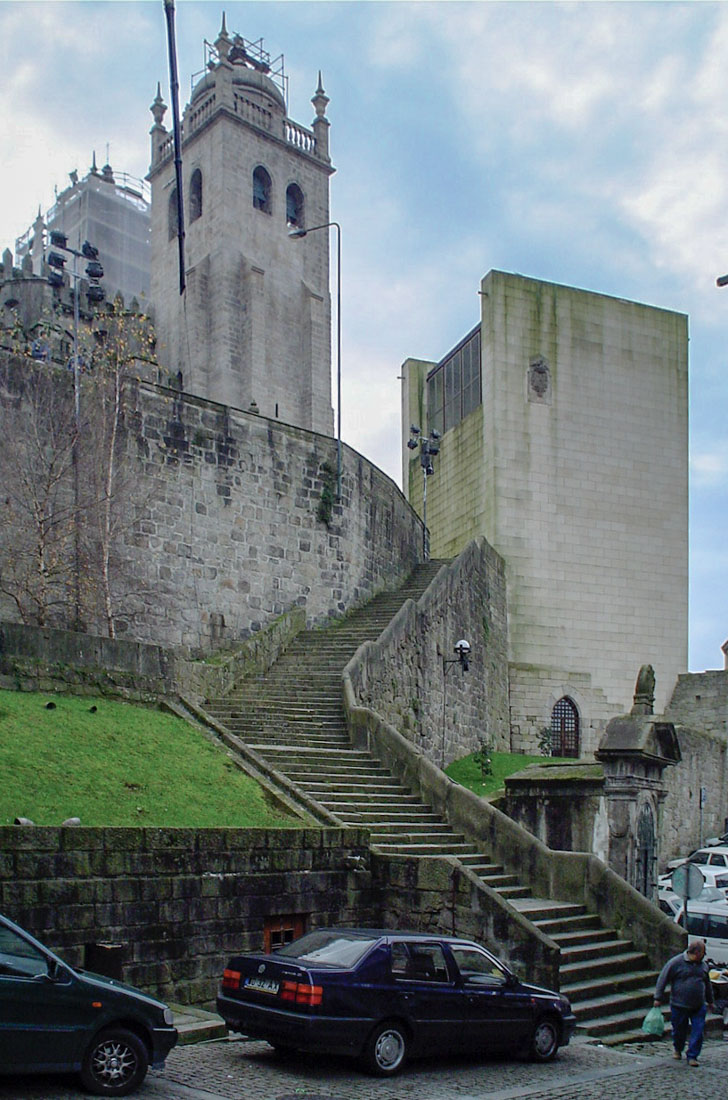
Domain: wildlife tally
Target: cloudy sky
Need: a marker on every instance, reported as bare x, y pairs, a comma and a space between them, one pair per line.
583, 143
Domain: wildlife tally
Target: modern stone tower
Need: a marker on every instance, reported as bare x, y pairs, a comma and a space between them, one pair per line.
253, 327
563, 419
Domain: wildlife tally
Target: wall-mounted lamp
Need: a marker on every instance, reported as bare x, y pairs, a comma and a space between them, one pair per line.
463, 651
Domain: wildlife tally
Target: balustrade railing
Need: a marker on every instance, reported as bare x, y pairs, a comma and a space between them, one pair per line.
298, 136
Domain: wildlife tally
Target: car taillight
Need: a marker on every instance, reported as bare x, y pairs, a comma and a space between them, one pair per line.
301, 993
231, 979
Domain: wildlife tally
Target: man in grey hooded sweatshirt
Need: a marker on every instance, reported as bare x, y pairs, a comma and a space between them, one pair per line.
690, 996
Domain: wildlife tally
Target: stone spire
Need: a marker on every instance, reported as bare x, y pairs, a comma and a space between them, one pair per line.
36, 249
158, 109
223, 44
321, 124
158, 132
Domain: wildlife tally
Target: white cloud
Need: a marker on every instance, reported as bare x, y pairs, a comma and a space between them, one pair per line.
710, 467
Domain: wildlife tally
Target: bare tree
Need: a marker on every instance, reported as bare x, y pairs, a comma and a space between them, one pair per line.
37, 439
124, 348
68, 481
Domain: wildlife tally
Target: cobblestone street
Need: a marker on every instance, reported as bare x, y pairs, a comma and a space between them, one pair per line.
242, 1070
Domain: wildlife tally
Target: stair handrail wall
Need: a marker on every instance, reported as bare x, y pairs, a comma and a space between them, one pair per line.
402, 676
465, 906
576, 877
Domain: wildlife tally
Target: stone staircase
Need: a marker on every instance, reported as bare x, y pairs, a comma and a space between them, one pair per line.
294, 718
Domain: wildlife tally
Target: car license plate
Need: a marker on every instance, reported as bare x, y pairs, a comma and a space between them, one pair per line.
262, 985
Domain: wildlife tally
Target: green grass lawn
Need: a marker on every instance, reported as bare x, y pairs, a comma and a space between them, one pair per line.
122, 765
467, 772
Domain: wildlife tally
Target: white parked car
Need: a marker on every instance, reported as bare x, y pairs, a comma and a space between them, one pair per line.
713, 876
715, 857
672, 904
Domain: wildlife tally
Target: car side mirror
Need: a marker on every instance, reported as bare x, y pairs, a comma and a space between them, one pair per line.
57, 972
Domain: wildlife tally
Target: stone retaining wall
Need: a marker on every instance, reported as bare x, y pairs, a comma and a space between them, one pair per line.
180, 901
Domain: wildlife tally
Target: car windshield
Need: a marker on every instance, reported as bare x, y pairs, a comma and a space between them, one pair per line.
710, 893
329, 948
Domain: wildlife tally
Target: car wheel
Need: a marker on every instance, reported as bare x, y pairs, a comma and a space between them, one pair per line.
545, 1040
386, 1049
115, 1063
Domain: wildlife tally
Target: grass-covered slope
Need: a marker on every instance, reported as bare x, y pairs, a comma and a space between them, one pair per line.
113, 763
467, 773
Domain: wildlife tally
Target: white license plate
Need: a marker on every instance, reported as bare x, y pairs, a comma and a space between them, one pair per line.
262, 985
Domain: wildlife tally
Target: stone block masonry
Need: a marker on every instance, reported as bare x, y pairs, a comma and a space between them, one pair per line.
239, 524
179, 901
227, 520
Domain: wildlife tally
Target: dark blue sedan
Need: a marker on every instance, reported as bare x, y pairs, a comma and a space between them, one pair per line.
384, 996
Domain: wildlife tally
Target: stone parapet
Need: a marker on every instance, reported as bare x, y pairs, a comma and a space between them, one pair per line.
438, 707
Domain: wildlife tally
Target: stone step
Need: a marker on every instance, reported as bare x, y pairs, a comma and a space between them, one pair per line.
575, 925
275, 712
539, 910
413, 832
596, 934
483, 867
594, 989
412, 814
425, 849
501, 881
602, 967
620, 1026
275, 717
341, 757
352, 780
637, 999
601, 949
351, 785
292, 737
402, 839
293, 716
512, 893
345, 798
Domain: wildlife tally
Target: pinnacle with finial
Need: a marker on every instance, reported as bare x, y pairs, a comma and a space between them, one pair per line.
320, 100
158, 107
222, 42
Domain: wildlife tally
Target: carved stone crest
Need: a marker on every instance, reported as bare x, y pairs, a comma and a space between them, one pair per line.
539, 380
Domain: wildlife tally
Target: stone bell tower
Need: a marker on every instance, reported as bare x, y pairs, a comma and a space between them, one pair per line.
253, 327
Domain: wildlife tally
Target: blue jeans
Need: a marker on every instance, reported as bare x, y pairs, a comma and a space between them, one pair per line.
682, 1018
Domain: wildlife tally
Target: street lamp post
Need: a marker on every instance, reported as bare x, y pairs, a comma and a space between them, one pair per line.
94, 271
301, 232
429, 448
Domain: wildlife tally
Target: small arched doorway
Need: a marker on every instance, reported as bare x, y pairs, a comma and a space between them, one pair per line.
565, 728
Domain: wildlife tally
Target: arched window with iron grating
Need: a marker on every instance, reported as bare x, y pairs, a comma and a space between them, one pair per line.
565, 728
